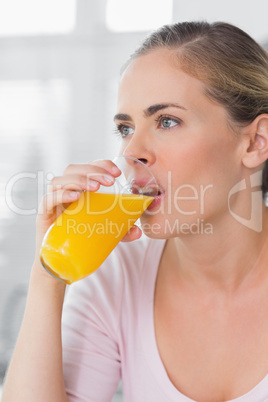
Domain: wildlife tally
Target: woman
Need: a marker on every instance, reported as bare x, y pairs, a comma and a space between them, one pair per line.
180, 315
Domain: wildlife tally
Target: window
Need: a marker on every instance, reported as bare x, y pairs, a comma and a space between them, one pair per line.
138, 15
34, 119
31, 17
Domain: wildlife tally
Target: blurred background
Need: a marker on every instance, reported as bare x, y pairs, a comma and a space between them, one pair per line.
59, 71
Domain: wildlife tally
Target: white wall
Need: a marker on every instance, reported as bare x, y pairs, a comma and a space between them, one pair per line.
251, 16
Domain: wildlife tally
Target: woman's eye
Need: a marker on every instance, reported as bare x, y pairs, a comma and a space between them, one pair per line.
124, 130
167, 122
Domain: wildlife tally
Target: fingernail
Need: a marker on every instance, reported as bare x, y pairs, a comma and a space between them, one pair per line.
74, 194
92, 184
115, 169
108, 179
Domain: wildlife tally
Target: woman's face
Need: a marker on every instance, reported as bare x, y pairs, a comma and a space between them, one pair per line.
165, 119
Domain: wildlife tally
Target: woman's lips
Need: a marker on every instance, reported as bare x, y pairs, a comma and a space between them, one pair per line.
156, 202
147, 189
143, 187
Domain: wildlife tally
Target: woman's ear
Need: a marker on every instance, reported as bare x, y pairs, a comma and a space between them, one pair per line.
256, 146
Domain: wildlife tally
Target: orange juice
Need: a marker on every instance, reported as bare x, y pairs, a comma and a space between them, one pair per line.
87, 231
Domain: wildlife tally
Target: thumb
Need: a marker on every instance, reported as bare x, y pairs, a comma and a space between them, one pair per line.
133, 234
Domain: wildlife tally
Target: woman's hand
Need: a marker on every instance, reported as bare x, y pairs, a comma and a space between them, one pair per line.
63, 190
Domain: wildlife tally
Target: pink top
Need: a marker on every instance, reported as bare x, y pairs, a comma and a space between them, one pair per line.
108, 332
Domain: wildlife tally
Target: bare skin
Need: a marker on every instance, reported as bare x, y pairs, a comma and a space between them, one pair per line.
211, 291
212, 338
35, 371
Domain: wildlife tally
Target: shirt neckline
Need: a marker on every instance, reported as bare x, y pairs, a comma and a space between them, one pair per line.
147, 333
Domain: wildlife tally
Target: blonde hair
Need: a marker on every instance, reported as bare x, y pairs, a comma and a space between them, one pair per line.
233, 67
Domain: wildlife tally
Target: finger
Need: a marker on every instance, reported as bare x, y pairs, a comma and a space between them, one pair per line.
108, 165
133, 234
56, 198
72, 182
99, 166
80, 182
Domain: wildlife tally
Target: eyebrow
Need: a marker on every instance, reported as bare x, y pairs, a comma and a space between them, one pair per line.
149, 111
155, 108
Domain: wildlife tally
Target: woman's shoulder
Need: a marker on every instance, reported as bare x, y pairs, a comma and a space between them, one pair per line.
104, 294
127, 260
121, 270
129, 253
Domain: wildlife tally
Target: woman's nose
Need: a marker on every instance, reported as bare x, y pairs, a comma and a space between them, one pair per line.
137, 147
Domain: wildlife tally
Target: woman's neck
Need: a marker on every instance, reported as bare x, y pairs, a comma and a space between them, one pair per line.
224, 259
